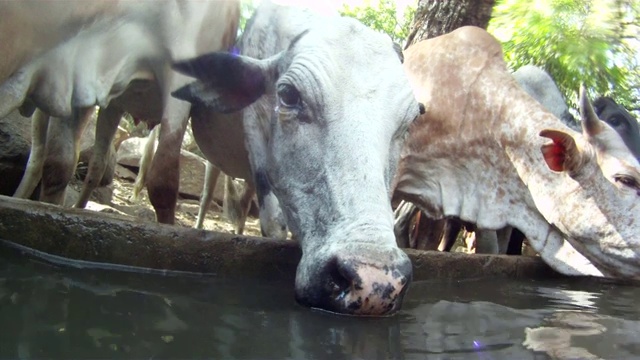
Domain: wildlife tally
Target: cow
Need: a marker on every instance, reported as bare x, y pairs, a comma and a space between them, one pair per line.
488, 153
621, 120
27, 30
132, 42
539, 85
325, 107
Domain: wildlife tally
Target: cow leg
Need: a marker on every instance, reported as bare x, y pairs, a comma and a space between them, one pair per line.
232, 208
210, 179
62, 154
504, 237
164, 173
428, 232
236, 206
416, 232
452, 228
33, 172
245, 206
486, 242
515, 243
106, 126
403, 214
145, 164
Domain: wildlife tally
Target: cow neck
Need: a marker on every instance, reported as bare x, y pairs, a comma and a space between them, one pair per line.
478, 170
522, 143
455, 165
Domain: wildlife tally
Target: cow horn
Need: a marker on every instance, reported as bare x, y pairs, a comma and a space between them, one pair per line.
591, 124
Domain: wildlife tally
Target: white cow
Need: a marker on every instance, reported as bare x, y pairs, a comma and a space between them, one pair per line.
32, 27
129, 41
326, 109
516, 164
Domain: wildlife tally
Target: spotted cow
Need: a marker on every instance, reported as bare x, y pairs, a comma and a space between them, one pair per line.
497, 158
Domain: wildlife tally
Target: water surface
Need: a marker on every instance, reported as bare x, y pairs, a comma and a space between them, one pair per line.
49, 311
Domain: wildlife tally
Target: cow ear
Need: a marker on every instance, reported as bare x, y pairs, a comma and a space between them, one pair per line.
562, 154
225, 82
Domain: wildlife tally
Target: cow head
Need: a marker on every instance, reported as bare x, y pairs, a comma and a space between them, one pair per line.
621, 120
600, 198
337, 106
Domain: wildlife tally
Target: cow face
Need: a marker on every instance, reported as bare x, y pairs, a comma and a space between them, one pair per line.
337, 106
621, 121
600, 196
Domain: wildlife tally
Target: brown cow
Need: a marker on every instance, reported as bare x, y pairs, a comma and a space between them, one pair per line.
488, 153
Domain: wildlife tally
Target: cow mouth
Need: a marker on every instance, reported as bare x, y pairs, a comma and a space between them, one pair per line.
354, 288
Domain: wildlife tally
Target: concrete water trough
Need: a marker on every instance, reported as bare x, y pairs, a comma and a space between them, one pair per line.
76, 236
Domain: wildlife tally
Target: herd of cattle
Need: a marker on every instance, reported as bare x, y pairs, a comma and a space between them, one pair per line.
328, 120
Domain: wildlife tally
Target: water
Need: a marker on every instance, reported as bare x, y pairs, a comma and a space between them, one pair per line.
48, 311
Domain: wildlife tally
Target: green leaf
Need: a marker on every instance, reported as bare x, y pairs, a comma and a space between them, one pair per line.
382, 18
575, 41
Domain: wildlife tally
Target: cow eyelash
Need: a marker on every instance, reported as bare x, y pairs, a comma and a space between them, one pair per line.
628, 181
615, 121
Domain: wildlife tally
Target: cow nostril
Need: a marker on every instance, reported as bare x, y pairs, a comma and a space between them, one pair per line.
340, 279
356, 286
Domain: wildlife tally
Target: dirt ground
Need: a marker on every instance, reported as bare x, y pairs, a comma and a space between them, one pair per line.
186, 212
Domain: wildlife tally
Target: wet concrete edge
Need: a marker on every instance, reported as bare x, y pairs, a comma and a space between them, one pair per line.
78, 234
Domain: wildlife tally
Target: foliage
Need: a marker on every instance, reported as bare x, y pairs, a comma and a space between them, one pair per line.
382, 17
247, 7
590, 41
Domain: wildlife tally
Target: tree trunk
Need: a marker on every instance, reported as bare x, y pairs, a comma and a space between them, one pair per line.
438, 17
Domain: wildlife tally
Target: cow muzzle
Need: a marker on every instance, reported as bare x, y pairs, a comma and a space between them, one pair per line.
361, 285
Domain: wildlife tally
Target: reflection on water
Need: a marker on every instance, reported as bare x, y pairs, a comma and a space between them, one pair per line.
55, 312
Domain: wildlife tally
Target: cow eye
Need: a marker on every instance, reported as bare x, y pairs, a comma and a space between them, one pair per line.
289, 96
615, 121
628, 181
